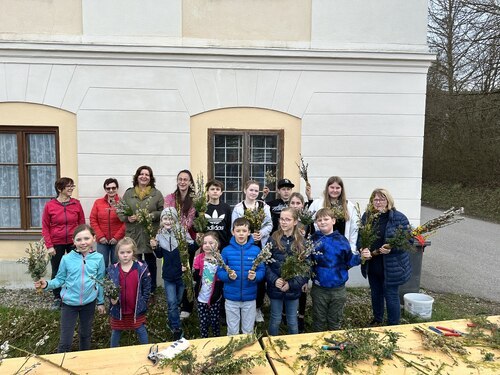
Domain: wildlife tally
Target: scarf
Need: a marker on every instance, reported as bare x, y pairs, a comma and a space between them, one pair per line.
142, 193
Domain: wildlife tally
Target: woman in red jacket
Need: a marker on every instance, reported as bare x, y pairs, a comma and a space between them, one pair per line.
61, 216
108, 227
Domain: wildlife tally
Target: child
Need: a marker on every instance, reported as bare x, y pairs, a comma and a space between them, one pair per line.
240, 286
332, 259
285, 187
260, 235
129, 311
77, 275
218, 213
284, 293
208, 287
165, 246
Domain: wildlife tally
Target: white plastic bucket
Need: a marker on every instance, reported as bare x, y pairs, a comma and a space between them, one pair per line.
419, 304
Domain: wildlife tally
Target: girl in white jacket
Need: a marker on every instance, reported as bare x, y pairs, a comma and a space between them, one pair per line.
334, 196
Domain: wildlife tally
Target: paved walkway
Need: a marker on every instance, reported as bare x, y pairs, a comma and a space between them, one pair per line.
463, 258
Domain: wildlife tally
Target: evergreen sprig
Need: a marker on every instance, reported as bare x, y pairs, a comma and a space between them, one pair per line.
199, 196
223, 360
366, 229
299, 262
255, 217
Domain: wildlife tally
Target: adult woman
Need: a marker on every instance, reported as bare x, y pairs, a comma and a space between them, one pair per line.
61, 216
388, 268
108, 227
334, 196
182, 198
250, 202
143, 195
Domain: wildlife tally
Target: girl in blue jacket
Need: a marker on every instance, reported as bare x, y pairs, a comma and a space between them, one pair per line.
77, 275
133, 277
280, 291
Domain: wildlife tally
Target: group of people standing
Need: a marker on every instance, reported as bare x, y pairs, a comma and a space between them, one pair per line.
130, 256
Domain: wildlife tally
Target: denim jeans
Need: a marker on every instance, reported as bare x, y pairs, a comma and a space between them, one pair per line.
173, 294
142, 335
379, 292
291, 316
108, 252
69, 315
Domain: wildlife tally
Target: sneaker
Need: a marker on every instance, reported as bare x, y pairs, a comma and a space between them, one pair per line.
259, 318
178, 333
56, 305
185, 315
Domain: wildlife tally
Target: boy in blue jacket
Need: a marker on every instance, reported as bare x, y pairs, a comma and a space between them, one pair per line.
332, 259
240, 286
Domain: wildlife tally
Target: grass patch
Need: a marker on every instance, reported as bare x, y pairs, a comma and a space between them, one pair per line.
478, 201
24, 324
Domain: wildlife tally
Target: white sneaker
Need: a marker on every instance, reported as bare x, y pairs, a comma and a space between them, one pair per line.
259, 318
185, 315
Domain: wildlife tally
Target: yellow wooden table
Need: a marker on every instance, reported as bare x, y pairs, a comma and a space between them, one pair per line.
410, 346
123, 360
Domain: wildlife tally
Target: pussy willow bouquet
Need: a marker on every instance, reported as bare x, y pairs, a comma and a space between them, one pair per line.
366, 230
111, 290
338, 211
146, 220
220, 262
403, 237
183, 246
306, 217
264, 256
255, 218
299, 262
199, 196
36, 260
303, 169
269, 177
448, 217
122, 208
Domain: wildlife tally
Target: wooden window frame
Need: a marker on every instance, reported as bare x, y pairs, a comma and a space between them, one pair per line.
246, 133
27, 232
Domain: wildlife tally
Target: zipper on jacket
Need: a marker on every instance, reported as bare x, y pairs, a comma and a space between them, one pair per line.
83, 279
242, 273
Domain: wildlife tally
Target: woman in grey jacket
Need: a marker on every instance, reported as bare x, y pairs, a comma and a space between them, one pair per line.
143, 195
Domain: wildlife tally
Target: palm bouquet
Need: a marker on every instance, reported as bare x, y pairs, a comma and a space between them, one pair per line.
122, 208
264, 256
180, 235
303, 169
255, 218
220, 262
299, 262
37, 259
404, 237
146, 220
366, 230
199, 196
306, 217
111, 290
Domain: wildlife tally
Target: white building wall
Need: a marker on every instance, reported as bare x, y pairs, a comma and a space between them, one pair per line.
362, 119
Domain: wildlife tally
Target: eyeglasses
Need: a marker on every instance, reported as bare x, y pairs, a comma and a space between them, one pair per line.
110, 188
379, 200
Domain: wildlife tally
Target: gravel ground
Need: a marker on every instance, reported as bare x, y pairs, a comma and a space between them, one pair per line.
25, 298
